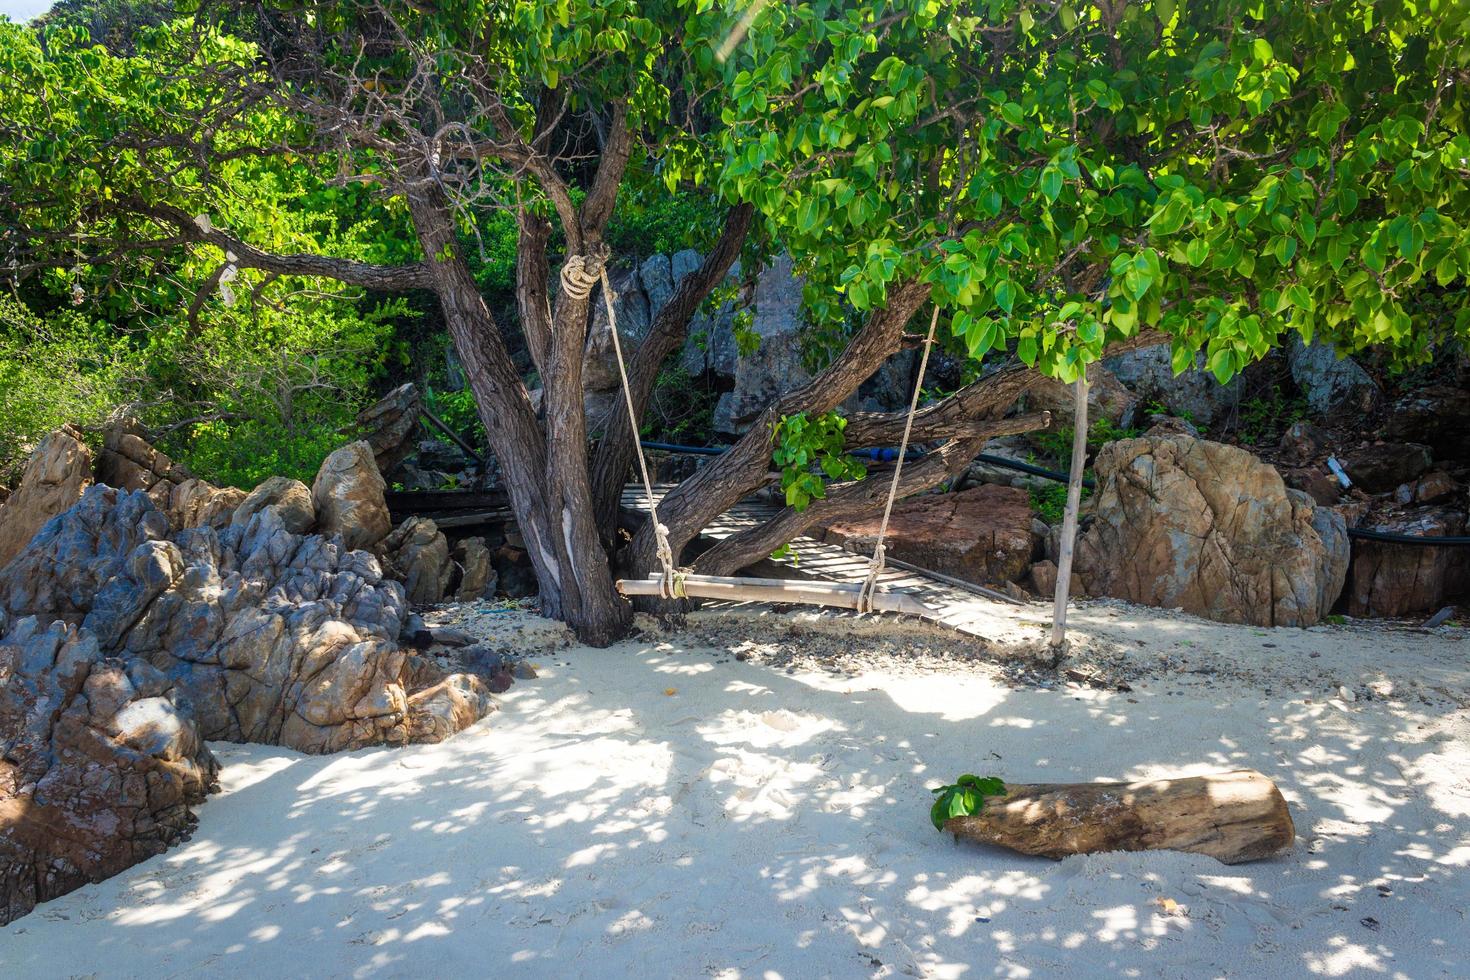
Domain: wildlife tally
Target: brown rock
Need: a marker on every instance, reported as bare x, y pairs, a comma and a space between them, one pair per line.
195, 503
101, 764
1381, 467
1206, 527
1044, 580
129, 462
59, 469
418, 556
477, 574
1396, 579
1437, 416
1431, 488
1302, 442
1316, 483
981, 535
288, 498
348, 497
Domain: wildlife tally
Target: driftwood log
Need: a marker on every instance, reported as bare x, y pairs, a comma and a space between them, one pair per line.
1232, 816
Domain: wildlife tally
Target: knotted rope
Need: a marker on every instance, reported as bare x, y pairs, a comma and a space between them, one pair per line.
671, 583
876, 563
581, 272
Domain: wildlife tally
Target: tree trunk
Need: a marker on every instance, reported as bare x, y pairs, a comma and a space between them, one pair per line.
1231, 816
550, 497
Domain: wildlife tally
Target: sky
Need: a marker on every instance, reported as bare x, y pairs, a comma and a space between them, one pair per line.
23, 9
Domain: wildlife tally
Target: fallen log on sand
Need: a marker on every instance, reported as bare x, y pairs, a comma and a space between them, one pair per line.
1232, 816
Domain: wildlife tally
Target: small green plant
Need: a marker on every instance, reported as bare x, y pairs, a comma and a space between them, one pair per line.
1050, 502
1337, 619
1265, 417
964, 797
804, 441
1057, 443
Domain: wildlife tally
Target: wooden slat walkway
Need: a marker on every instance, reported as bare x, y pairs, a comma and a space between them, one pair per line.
812, 559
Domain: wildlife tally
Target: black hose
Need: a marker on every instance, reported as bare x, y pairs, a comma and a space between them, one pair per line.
1363, 534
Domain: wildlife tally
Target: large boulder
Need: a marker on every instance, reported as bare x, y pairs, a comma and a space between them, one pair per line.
195, 503
348, 497
1187, 523
1194, 394
477, 576
418, 556
1331, 383
101, 763
984, 534
1397, 579
599, 359
289, 498
272, 636
391, 424
59, 469
1381, 467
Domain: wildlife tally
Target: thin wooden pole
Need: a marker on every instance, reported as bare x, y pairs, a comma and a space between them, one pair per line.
1069, 520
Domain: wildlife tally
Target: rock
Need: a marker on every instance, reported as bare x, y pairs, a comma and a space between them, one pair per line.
1303, 442
1194, 395
447, 707
599, 360
1435, 416
1431, 488
1381, 467
1331, 383
1315, 482
1170, 425
477, 573
524, 671
129, 462
776, 367
196, 503
290, 499
982, 535
1044, 580
418, 556
1011, 448
449, 637
100, 767
1395, 579
348, 497
59, 469
270, 636
1193, 524
656, 275
391, 424
1106, 399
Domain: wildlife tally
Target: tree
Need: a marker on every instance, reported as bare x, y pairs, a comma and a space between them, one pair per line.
1061, 180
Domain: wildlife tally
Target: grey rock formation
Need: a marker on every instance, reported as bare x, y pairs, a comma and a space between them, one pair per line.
419, 558
1330, 383
100, 763
1194, 394
290, 499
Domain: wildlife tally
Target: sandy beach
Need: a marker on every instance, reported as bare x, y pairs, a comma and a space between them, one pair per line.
748, 798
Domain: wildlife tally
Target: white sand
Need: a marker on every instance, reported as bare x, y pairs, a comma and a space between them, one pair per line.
758, 823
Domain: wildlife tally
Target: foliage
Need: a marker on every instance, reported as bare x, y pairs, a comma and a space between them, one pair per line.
457, 410
1057, 443
965, 797
1050, 501
804, 441
682, 409
1068, 174
57, 370
1265, 417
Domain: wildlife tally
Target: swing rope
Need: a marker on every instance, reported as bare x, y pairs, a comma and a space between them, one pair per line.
876, 563
577, 281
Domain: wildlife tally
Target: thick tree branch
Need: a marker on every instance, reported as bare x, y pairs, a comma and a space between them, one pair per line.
533, 297
602, 196
614, 455
384, 278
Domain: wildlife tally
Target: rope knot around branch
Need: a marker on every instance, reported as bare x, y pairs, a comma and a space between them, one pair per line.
580, 273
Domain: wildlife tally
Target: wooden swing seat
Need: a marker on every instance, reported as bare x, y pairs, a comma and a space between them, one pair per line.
841, 595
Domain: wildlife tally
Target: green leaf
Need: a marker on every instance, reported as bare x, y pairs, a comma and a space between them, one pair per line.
1005, 295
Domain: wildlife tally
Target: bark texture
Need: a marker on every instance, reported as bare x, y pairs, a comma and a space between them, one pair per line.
1231, 816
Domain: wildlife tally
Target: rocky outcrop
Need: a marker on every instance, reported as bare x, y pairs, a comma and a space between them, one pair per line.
418, 556
59, 469
195, 503
1106, 399
1396, 580
391, 424
348, 497
1187, 523
1329, 382
101, 763
129, 461
775, 367
290, 499
984, 534
272, 636
1194, 394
